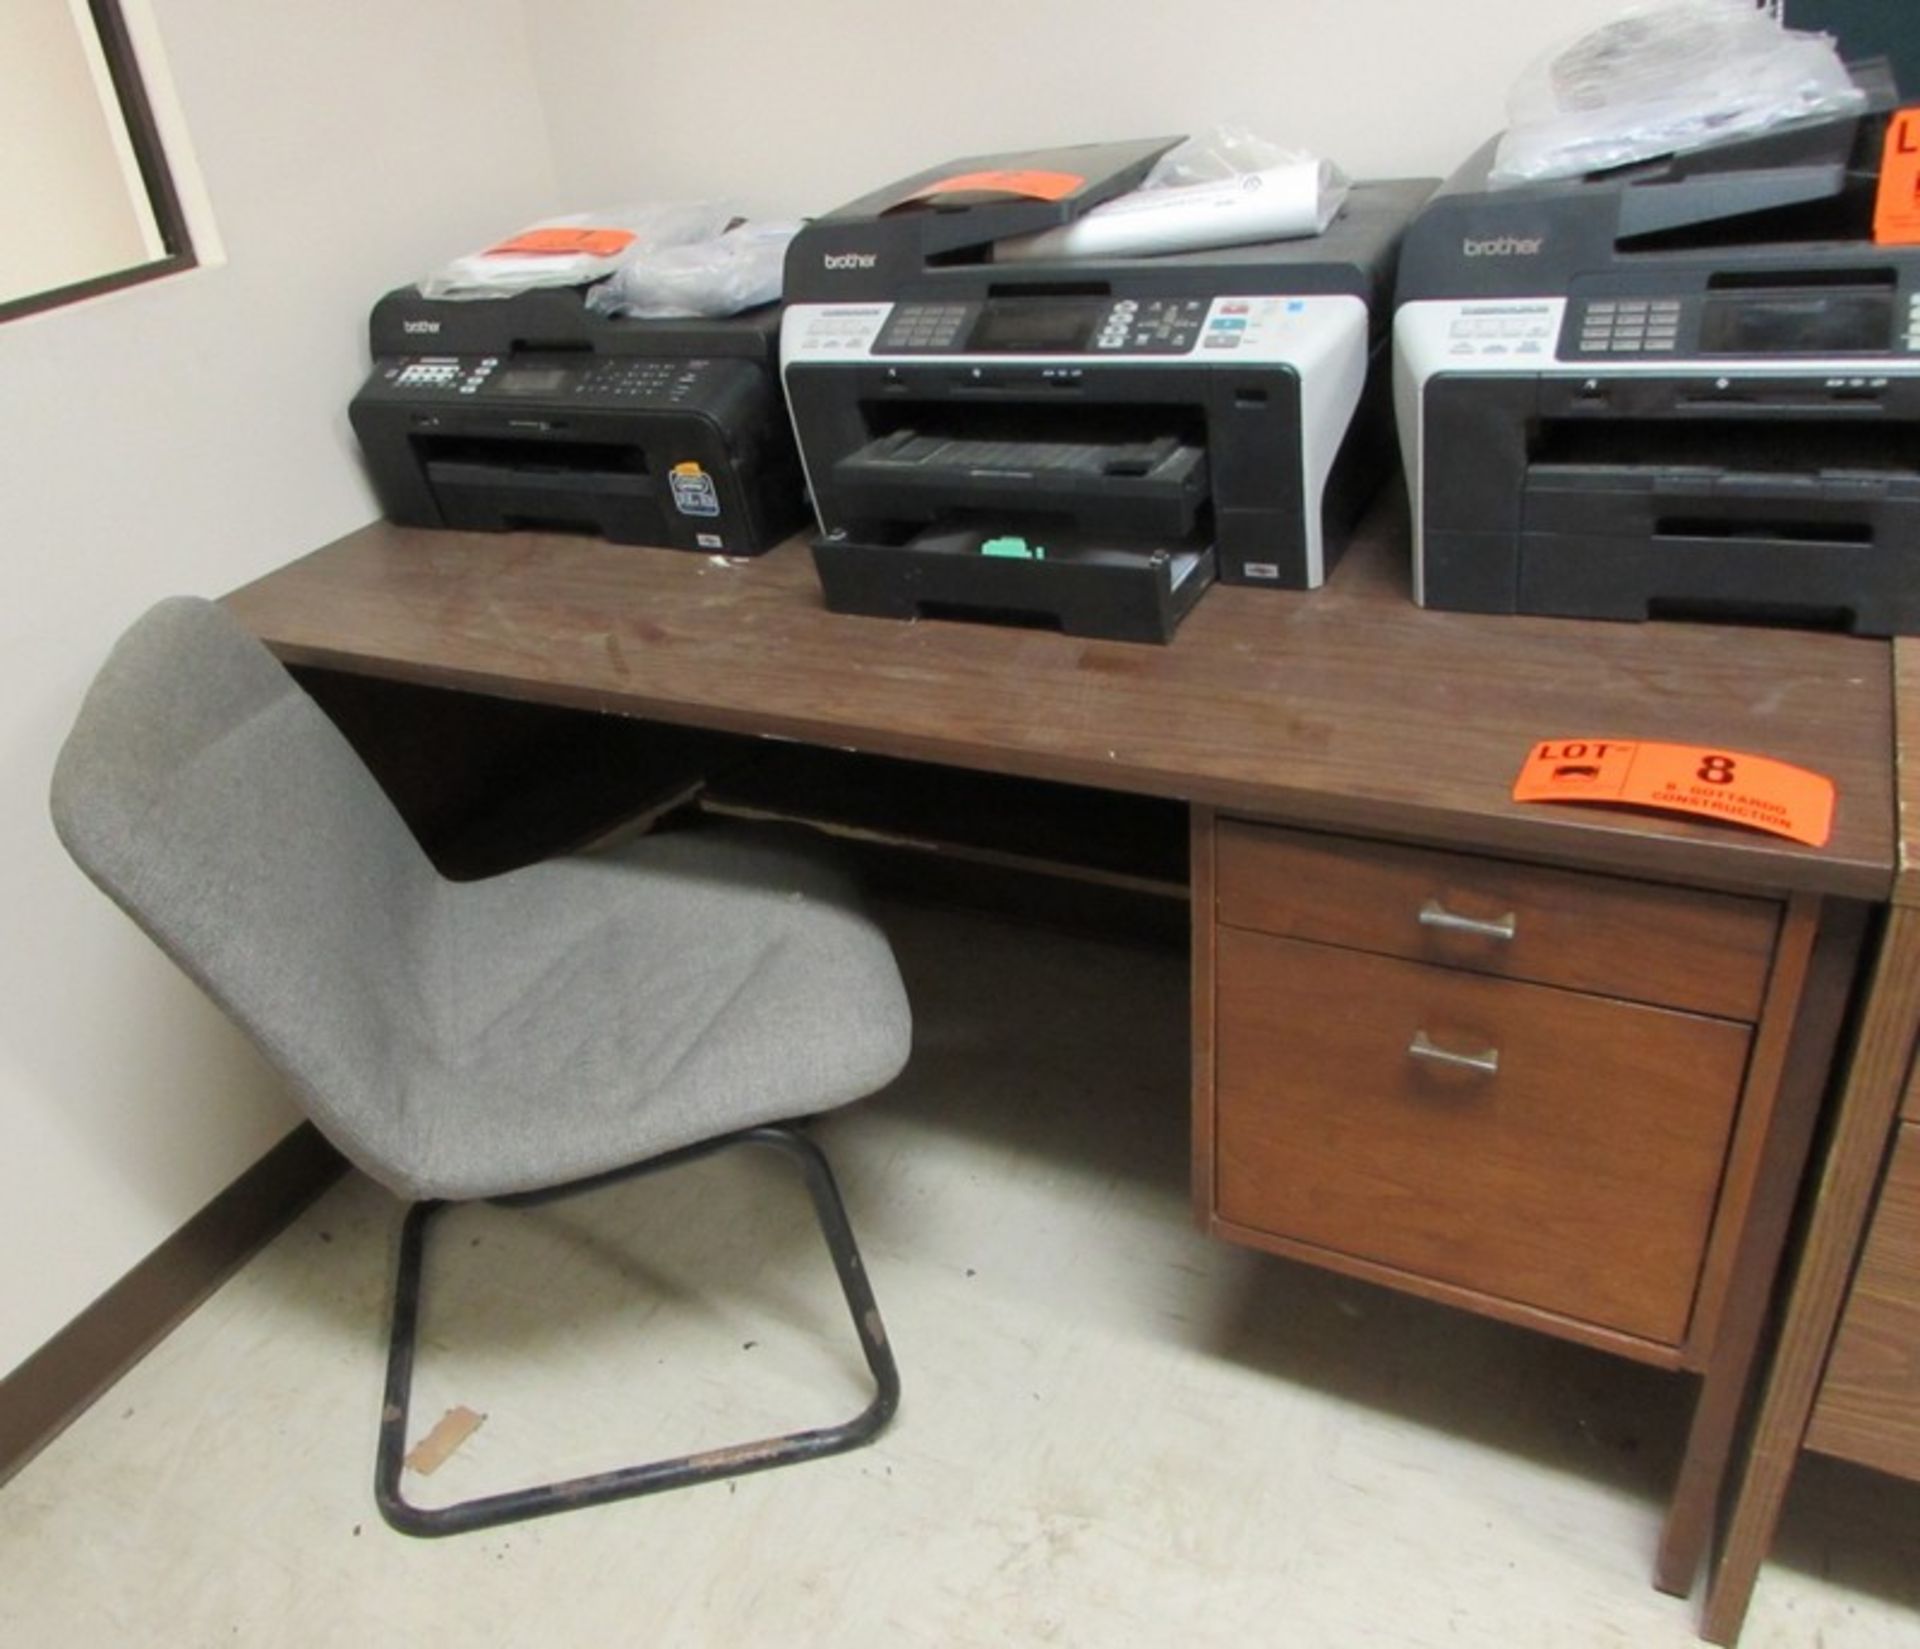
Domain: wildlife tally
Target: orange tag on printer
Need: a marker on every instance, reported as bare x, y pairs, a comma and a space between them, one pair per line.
1896, 205
1035, 185
1694, 779
595, 243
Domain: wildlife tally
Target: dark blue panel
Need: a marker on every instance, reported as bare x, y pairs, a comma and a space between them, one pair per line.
1869, 28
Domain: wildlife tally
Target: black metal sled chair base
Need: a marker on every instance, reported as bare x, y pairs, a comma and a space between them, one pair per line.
680, 1471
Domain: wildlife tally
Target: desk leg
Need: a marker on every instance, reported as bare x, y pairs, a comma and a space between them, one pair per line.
1802, 1084
1868, 1106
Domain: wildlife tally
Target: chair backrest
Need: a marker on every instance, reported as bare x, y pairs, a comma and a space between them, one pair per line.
210, 798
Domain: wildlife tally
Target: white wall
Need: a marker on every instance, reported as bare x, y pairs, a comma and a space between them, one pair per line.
187, 436
799, 107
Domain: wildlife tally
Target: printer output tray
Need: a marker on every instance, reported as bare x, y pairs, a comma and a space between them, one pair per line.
1082, 584
1153, 487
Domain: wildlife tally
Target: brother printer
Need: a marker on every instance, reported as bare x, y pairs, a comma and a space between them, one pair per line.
1688, 387
1085, 443
532, 411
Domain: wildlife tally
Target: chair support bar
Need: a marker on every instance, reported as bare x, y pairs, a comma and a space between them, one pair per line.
677, 1472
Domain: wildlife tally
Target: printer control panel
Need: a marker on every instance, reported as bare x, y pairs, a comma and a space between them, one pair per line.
1221, 331
1746, 316
616, 380
1045, 326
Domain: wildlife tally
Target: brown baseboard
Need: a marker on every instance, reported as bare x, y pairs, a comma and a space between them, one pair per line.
41, 1397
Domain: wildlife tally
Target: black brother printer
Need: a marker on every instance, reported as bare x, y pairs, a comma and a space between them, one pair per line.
1687, 388
1082, 443
533, 411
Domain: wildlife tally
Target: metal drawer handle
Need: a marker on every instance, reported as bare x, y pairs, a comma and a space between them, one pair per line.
1422, 1047
1433, 914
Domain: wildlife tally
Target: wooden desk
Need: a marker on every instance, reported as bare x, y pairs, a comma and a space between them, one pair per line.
1347, 715
1347, 707
1845, 1377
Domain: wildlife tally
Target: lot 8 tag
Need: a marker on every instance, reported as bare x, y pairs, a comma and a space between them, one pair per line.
1896, 207
1694, 779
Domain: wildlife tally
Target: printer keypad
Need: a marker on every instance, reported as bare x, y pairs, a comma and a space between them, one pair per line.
923, 326
1157, 326
1913, 324
666, 383
440, 372
1630, 326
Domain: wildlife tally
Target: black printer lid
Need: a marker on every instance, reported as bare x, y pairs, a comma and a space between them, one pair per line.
955, 211
556, 318
987, 198
1805, 188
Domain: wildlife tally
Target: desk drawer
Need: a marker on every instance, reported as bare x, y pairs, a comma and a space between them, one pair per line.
1705, 952
1869, 1404
1580, 1177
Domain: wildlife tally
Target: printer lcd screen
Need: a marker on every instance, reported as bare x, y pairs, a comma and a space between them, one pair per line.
529, 380
1042, 327
1828, 321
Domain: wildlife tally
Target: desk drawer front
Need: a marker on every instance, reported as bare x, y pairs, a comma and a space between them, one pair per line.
1705, 952
1869, 1406
1579, 1176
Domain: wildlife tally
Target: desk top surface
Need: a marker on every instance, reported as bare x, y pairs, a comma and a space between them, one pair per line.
1346, 707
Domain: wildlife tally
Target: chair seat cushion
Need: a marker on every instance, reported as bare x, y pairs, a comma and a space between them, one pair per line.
597, 1010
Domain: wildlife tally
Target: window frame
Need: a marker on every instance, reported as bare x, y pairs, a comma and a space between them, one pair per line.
143, 134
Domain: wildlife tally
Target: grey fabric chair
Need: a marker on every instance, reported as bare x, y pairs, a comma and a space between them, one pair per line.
510, 1039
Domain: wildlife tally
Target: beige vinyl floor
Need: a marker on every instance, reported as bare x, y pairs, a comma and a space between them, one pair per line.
1114, 1431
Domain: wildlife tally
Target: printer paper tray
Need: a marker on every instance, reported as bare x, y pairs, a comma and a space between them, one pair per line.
495, 497
1153, 487
1083, 585
1822, 549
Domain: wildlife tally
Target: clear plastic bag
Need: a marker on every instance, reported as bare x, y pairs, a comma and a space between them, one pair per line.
715, 277
570, 251
1217, 156
1225, 187
1664, 78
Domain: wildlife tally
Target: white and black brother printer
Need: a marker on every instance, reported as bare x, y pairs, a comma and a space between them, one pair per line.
1684, 388
1080, 443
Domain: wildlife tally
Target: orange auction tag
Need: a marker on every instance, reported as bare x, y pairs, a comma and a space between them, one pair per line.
1698, 779
595, 243
1896, 204
1035, 185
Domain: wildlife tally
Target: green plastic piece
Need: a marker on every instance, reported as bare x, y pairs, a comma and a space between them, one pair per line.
1013, 548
